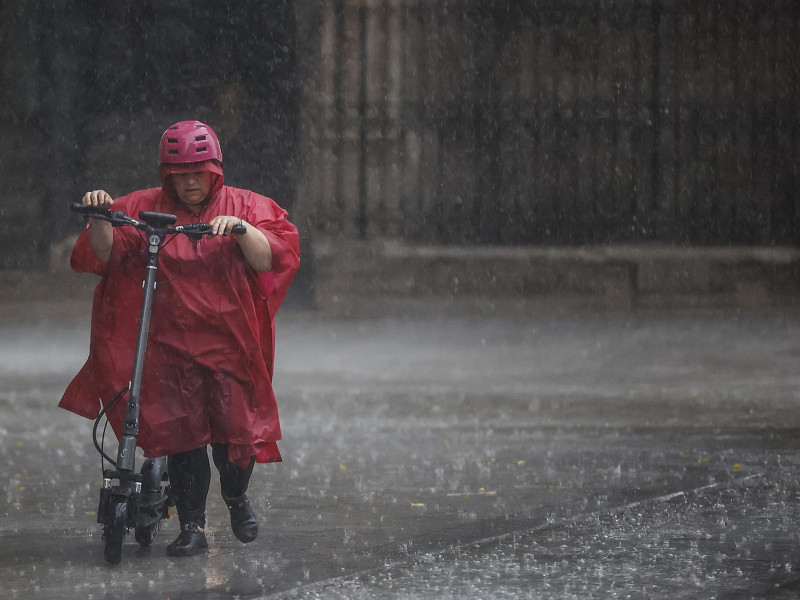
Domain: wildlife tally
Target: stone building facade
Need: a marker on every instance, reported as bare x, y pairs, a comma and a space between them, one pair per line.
488, 122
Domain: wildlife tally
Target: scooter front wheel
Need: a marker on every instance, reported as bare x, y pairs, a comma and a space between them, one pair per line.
144, 534
114, 531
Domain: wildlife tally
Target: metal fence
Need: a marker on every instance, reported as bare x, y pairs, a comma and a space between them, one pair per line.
555, 121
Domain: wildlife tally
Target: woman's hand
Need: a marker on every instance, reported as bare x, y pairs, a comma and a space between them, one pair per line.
101, 234
222, 225
97, 198
253, 244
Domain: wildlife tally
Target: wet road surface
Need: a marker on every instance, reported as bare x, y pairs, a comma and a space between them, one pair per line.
650, 456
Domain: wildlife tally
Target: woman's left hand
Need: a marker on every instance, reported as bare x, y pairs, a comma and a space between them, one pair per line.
222, 225
254, 246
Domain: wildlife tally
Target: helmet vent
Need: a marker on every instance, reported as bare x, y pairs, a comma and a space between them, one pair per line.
172, 152
203, 149
200, 138
172, 140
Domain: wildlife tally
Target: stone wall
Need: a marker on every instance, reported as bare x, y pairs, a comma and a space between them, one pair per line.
377, 277
364, 278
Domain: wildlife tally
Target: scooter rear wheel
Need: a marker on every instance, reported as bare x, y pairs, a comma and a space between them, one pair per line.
152, 505
114, 532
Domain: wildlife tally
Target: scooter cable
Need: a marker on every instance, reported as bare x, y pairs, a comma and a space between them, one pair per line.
103, 410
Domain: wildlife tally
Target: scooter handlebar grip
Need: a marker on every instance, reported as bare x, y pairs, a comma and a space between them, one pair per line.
239, 229
80, 208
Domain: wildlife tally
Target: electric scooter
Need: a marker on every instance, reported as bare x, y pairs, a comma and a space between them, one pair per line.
131, 500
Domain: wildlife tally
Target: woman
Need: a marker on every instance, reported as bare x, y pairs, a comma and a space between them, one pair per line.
208, 372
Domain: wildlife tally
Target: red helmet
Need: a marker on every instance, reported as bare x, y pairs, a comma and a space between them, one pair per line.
188, 142
190, 146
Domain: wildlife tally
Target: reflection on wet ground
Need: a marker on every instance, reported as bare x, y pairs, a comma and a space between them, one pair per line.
647, 457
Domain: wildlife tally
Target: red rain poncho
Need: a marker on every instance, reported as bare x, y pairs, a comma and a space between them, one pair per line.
208, 370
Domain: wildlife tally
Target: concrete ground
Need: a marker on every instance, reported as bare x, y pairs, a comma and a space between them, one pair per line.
449, 456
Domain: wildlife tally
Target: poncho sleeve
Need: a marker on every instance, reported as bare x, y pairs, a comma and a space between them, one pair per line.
265, 214
83, 259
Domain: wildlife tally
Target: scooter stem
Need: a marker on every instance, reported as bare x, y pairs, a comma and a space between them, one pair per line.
130, 426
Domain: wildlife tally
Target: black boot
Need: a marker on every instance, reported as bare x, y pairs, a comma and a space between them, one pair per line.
189, 477
191, 541
243, 519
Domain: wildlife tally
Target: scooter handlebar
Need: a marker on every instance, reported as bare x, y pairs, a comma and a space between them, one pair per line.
119, 218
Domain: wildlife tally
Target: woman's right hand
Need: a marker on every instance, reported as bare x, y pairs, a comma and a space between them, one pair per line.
101, 234
98, 198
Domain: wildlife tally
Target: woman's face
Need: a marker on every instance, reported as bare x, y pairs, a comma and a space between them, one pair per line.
193, 188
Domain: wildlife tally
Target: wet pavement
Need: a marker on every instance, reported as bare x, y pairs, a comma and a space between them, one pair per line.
598, 456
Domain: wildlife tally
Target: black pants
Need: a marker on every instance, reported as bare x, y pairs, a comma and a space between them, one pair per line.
190, 478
